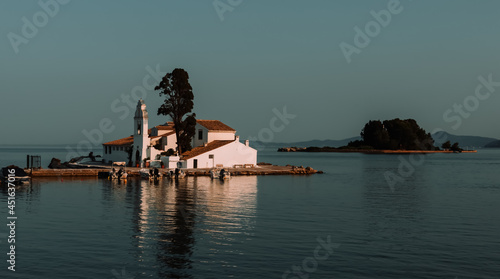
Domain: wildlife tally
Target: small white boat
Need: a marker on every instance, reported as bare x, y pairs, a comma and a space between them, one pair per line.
151, 174
17, 177
224, 174
121, 174
144, 173
17, 180
214, 173
170, 174
178, 174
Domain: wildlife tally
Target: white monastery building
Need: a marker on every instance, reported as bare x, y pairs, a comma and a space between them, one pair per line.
214, 145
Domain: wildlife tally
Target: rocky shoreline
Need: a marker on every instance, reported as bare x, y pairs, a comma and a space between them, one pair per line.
367, 151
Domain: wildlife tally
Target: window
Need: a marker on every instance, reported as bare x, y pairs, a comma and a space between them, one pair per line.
138, 128
200, 134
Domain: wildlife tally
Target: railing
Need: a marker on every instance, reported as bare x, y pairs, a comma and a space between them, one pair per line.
33, 162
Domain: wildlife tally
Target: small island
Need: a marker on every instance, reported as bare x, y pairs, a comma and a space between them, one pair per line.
394, 136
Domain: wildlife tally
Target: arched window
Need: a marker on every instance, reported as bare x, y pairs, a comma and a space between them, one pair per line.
139, 128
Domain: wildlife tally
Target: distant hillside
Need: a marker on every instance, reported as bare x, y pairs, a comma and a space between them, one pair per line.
463, 141
493, 144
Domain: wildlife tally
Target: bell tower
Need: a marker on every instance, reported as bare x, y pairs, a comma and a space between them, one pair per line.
141, 134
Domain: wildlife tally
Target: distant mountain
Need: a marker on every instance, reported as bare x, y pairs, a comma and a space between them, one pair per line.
463, 141
318, 143
493, 144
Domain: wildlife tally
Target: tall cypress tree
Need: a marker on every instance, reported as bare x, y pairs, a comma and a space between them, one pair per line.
177, 104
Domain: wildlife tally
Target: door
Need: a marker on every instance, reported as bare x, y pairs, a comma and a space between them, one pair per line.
195, 163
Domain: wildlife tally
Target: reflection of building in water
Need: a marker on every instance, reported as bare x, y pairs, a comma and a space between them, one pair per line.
229, 206
171, 217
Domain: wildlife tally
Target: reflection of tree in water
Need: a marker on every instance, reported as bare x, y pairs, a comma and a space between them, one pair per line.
133, 196
176, 239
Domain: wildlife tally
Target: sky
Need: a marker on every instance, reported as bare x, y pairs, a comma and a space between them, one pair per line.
280, 71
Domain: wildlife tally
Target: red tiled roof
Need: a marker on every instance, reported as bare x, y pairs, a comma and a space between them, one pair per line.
214, 125
211, 125
124, 141
162, 127
203, 149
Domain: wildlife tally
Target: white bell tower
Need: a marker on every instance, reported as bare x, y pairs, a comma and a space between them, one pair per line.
141, 135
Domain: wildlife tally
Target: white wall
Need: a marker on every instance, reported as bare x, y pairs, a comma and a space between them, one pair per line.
220, 136
152, 152
170, 162
196, 141
235, 153
170, 142
116, 155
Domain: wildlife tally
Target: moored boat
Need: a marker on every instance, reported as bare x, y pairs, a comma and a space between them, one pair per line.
14, 174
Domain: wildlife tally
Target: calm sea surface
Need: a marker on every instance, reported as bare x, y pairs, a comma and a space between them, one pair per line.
441, 220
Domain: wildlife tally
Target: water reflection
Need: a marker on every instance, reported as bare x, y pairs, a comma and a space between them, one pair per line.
175, 238
29, 192
404, 200
394, 216
174, 220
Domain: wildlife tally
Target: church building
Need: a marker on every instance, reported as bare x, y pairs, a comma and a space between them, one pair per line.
215, 144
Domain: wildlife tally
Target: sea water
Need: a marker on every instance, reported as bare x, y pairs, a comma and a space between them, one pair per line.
441, 220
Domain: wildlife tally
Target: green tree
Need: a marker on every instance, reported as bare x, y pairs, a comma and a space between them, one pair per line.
407, 134
455, 147
397, 134
177, 104
188, 130
446, 145
375, 135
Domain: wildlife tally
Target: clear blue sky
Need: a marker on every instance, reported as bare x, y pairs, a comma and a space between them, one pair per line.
263, 55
